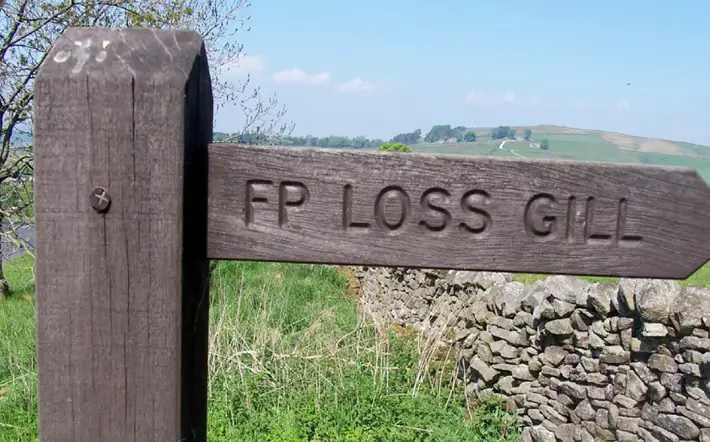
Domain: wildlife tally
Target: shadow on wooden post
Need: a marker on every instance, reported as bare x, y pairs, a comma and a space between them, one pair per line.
122, 123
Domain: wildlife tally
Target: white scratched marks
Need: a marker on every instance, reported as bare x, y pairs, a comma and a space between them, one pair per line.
61, 56
165, 47
82, 54
102, 55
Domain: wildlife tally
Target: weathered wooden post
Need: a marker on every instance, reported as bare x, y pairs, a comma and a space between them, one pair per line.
122, 123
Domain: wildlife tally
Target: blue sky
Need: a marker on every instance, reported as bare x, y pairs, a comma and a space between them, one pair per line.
377, 68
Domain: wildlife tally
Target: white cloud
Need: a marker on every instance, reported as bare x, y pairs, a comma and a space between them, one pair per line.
482, 99
246, 64
622, 106
298, 76
355, 85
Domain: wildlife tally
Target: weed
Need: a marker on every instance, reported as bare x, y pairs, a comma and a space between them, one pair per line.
291, 359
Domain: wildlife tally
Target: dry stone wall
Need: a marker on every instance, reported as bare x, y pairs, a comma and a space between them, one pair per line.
577, 361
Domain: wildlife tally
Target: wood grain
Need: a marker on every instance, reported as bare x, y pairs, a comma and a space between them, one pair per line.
442, 211
121, 310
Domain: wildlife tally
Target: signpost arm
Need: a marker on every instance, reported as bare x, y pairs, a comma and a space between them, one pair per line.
122, 123
350, 206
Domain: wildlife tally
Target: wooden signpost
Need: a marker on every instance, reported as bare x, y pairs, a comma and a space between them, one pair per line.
445, 211
123, 120
132, 201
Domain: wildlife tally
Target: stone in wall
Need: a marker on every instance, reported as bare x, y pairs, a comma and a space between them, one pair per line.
577, 361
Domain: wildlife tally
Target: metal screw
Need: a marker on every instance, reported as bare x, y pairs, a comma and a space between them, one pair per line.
100, 199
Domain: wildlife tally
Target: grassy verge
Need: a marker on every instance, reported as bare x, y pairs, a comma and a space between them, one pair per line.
18, 378
701, 277
291, 360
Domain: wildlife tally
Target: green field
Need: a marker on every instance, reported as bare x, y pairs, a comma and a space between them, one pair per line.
581, 145
290, 360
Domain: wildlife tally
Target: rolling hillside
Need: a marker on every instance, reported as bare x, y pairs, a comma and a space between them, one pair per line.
583, 145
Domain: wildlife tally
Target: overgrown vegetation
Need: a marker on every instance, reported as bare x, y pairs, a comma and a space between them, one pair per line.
331, 141
291, 359
18, 379
394, 147
701, 277
503, 132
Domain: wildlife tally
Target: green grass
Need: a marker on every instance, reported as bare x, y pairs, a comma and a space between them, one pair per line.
587, 146
701, 277
18, 379
291, 359
529, 278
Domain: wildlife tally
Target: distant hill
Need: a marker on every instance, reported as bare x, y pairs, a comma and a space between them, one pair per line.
621, 141
581, 145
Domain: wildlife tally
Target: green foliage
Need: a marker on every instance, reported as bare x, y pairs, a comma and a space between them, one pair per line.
544, 144
528, 134
18, 371
356, 407
439, 132
16, 200
332, 141
408, 138
317, 373
700, 278
394, 147
469, 137
502, 132
291, 359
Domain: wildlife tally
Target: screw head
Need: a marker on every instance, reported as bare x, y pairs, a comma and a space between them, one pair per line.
100, 199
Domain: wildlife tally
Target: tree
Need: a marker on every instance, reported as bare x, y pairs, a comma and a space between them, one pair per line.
440, 132
528, 134
408, 138
28, 29
459, 130
394, 147
359, 142
511, 133
544, 144
336, 141
469, 136
501, 132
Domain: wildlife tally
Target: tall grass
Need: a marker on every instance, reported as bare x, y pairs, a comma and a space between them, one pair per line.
291, 359
18, 372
